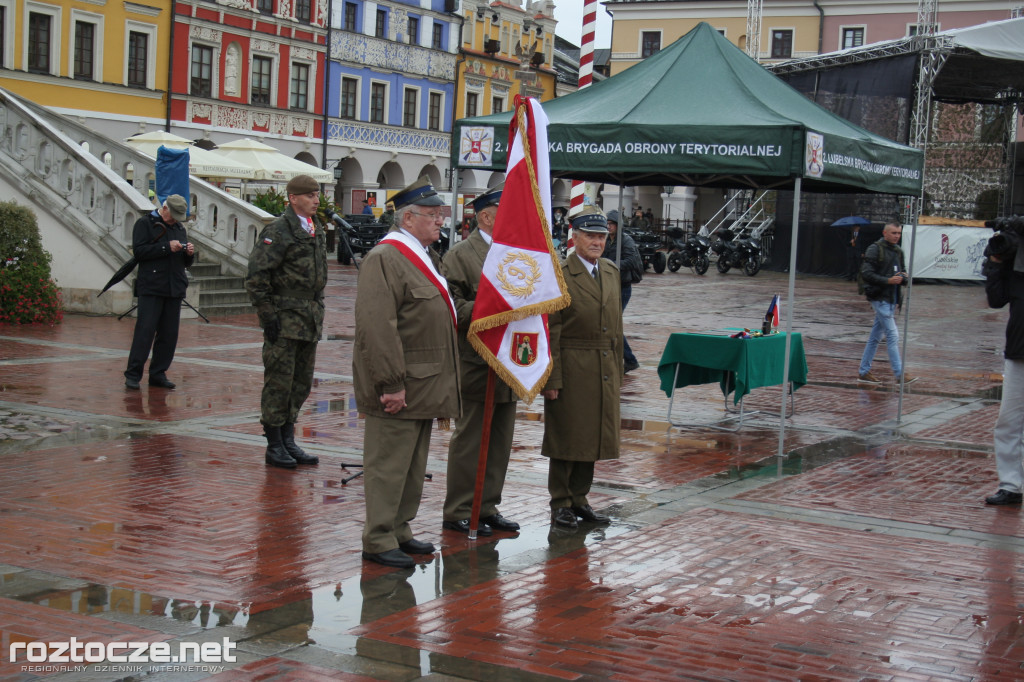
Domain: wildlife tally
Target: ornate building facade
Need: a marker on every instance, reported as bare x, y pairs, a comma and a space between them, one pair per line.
105, 63
508, 49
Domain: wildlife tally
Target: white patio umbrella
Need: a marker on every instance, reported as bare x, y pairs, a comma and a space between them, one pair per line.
201, 162
269, 163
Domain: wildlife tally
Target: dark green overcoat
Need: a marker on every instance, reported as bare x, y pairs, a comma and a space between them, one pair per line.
582, 425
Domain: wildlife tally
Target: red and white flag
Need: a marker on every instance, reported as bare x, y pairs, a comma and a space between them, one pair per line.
522, 277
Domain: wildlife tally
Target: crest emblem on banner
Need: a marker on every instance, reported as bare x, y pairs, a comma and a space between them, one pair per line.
523, 350
476, 146
814, 158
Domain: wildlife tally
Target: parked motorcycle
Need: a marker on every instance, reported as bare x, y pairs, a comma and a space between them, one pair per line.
649, 245
737, 252
691, 252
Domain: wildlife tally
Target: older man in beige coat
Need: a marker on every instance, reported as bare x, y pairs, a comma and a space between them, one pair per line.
405, 371
581, 397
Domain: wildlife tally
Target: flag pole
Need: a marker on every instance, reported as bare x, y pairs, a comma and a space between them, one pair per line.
481, 465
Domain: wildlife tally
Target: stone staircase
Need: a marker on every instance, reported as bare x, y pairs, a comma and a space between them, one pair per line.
218, 294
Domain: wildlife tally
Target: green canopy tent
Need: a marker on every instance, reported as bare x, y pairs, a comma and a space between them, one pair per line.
702, 113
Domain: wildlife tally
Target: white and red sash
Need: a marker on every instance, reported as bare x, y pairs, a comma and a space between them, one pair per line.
414, 252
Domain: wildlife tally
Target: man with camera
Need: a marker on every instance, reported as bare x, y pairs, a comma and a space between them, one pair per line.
1004, 283
160, 244
884, 273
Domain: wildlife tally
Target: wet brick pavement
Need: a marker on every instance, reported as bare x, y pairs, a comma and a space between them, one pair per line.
865, 554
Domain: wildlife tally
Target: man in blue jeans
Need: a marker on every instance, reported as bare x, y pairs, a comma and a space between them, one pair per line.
884, 273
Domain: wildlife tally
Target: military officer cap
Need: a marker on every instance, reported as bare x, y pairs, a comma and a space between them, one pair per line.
302, 184
590, 219
419, 193
489, 198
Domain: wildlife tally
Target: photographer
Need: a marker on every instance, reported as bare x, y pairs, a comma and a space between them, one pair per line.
1004, 283
884, 273
160, 244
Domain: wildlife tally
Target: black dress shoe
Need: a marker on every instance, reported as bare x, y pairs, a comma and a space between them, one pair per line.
415, 546
499, 522
630, 366
132, 384
392, 557
564, 517
161, 382
1004, 497
463, 527
587, 514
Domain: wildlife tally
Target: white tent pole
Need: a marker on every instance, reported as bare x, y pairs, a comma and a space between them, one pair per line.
906, 306
789, 316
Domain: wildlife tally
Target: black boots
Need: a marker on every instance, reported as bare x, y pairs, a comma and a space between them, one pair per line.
296, 453
276, 454
282, 450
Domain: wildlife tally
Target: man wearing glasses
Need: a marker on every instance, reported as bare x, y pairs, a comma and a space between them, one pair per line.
405, 370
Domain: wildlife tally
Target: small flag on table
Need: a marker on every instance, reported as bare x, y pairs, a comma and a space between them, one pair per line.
773, 312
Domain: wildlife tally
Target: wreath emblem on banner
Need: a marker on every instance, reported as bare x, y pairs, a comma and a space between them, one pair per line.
518, 274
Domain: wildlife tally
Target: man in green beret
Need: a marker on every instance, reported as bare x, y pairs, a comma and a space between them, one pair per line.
286, 280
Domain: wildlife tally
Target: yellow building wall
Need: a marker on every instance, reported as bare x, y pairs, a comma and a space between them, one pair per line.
494, 70
107, 93
626, 34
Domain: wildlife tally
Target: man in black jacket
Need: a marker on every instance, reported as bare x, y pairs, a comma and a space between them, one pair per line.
1004, 284
884, 274
161, 246
631, 271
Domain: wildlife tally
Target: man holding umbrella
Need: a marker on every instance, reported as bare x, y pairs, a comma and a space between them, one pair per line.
160, 245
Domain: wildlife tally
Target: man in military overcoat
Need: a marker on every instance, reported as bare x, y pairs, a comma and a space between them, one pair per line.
286, 280
462, 268
405, 368
581, 397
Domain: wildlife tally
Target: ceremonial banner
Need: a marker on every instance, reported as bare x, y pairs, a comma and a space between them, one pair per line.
522, 278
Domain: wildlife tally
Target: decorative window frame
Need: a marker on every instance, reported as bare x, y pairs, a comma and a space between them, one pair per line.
56, 27
151, 50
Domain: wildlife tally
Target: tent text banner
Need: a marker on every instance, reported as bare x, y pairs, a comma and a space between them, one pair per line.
747, 128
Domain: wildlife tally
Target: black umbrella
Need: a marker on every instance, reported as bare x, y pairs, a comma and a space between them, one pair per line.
121, 273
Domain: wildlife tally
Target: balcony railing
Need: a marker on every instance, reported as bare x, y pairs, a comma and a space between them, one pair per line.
101, 185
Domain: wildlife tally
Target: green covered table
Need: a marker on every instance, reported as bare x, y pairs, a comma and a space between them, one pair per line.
738, 365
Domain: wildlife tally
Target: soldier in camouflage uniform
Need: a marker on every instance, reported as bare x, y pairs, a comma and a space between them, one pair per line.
286, 280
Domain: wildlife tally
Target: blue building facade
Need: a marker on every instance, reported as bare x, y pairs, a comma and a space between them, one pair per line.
390, 95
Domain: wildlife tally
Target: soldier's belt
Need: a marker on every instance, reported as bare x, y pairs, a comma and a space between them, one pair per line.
296, 293
586, 344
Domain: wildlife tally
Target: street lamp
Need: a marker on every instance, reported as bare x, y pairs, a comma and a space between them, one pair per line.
453, 178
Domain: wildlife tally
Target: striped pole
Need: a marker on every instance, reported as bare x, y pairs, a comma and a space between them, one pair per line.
586, 78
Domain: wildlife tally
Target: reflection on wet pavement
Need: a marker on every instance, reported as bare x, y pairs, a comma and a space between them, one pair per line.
864, 553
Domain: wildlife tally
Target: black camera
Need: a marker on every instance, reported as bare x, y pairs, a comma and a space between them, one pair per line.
1014, 223
1006, 241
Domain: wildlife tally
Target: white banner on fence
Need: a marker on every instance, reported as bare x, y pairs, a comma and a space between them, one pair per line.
947, 252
